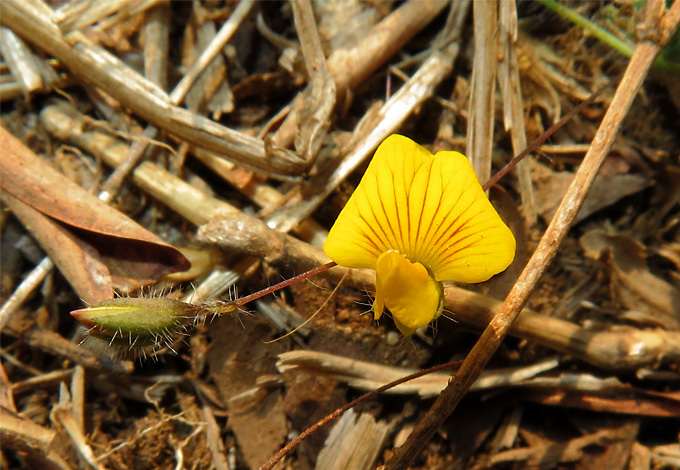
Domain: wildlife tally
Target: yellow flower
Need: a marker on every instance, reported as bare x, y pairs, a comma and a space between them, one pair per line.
419, 219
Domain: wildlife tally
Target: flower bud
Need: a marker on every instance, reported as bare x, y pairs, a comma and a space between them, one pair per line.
138, 321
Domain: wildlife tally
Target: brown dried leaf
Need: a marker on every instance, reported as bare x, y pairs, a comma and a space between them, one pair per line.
607, 189
239, 360
261, 429
308, 399
126, 248
346, 22
606, 447
631, 283
631, 402
616, 450
77, 260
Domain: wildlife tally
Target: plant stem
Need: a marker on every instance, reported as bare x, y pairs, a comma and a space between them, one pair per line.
240, 302
619, 45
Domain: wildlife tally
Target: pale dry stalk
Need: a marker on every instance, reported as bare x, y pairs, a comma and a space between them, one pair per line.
482, 104
625, 349
513, 104
376, 126
19, 433
95, 65
226, 32
349, 66
322, 91
490, 340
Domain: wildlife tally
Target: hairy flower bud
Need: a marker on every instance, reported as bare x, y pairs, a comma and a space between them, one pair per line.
138, 321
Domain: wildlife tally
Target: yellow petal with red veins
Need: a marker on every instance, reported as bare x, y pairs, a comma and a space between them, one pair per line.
408, 291
430, 208
369, 224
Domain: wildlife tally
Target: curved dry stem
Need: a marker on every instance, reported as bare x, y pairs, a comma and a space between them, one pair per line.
499, 327
623, 349
95, 65
330, 417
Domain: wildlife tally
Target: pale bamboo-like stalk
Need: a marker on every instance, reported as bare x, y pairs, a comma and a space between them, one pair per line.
627, 348
20, 433
482, 103
225, 33
513, 104
156, 45
20, 60
95, 65
502, 322
322, 90
374, 128
350, 65
26, 288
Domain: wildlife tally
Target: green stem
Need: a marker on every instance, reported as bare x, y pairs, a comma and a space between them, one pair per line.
619, 45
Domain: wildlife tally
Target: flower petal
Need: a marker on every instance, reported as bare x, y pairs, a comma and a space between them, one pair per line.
374, 219
467, 241
430, 208
408, 291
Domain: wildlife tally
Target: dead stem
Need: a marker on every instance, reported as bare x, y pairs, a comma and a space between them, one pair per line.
95, 65
350, 65
336, 414
637, 70
375, 127
482, 103
226, 32
536, 144
23, 434
54, 343
624, 349
322, 91
24, 290
513, 103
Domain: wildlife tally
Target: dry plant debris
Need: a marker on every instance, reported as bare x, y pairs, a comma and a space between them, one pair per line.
143, 137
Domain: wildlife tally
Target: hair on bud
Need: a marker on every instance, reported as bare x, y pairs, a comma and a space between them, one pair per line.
134, 322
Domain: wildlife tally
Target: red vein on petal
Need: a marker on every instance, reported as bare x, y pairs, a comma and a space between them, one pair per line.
430, 234
370, 227
417, 248
448, 226
481, 240
388, 243
389, 224
402, 248
409, 248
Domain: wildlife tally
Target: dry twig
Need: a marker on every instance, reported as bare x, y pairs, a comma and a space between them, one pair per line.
622, 349
95, 65
637, 70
